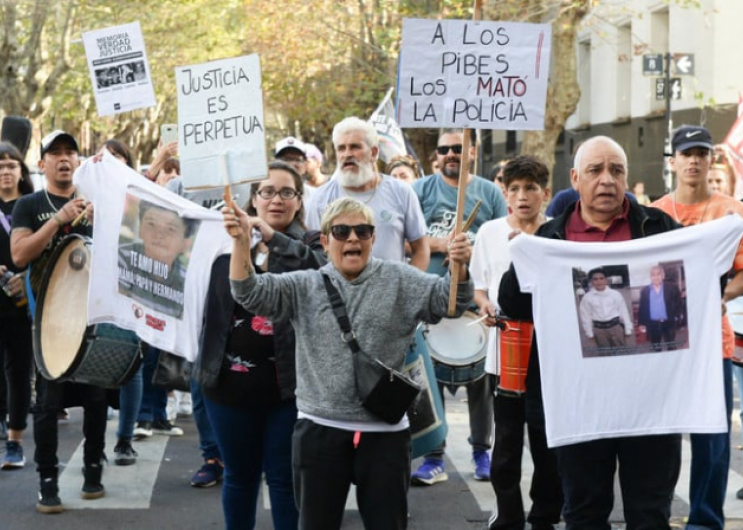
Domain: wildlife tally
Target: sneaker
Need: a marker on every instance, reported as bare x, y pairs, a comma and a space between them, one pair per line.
430, 472
49, 501
165, 427
14, 458
3, 430
143, 430
482, 465
125, 454
92, 487
209, 474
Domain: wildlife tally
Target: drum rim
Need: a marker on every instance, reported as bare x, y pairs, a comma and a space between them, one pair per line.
36, 328
465, 361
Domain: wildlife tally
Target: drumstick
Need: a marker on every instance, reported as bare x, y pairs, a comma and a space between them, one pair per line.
78, 219
478, 320
471, 218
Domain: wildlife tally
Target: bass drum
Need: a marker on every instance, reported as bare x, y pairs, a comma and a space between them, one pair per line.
458, 347
65, 347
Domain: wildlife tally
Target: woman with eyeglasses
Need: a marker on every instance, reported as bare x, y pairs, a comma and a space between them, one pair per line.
246, 363
336, 441
16, 354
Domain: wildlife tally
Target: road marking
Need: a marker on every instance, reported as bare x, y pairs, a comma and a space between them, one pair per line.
127, 487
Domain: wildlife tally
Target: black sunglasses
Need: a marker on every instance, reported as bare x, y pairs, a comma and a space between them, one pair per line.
342, 232
444, 149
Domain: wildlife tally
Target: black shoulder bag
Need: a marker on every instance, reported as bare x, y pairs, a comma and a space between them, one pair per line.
384, 392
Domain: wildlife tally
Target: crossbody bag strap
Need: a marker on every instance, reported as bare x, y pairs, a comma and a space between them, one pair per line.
339, 308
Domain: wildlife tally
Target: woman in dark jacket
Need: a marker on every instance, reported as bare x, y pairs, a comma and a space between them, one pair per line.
16, 353
246, 363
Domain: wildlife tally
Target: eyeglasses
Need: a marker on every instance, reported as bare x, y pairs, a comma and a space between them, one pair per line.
9, 166
298, 159
342, 232
284, 193
444, 149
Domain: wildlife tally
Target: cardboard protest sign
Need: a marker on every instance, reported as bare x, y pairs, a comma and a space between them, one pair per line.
119, 69
220, 123
473, 74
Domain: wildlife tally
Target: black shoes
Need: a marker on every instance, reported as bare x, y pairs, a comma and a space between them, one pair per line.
48, 501
125, 455
92, 487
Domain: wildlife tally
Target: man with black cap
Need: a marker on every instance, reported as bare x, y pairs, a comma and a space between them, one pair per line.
693, 203
41, 221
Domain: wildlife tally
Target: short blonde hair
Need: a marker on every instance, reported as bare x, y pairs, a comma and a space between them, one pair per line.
343, 206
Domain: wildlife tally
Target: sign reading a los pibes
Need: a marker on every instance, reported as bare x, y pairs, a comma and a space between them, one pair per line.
473, 74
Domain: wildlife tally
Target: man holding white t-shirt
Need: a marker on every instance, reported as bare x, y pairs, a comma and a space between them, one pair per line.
648, 465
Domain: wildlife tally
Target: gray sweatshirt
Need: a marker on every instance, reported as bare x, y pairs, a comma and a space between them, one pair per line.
385, 303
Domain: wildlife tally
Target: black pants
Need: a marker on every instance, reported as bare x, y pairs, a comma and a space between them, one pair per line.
51, 397
326, 461
648, 470
505, 470
17, 354
661, 333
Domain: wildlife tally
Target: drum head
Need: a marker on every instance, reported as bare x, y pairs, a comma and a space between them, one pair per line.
63, 313
458, 341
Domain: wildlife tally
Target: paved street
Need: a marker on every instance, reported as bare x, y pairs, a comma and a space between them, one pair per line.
155, 493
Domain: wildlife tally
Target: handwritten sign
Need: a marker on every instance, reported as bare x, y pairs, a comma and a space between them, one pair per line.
473, 74
119, 69
220, 116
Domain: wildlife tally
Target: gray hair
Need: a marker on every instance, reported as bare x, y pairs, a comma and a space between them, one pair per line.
353, 124
594, 139
343, 206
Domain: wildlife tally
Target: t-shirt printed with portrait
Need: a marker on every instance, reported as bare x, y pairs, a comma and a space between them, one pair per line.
717, 206
611, 384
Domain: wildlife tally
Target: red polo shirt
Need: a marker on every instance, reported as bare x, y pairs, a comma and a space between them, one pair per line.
576, 229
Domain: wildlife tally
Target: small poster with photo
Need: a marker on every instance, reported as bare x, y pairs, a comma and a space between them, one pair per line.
119, 70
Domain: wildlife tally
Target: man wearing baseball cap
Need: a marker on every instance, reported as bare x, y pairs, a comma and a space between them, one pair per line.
293, 152
41, 221
693, 203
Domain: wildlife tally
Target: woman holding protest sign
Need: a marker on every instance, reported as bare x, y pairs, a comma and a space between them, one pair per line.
246, 362
337, 440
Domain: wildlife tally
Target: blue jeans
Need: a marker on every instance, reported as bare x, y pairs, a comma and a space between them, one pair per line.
207, 440
154, 399
710, 460
130, 399
252, 442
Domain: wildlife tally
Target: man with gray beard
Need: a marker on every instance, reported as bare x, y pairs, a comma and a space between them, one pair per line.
397, 213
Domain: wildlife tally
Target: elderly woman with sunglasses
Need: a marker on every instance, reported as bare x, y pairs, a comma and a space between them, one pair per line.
336, 441
246, 364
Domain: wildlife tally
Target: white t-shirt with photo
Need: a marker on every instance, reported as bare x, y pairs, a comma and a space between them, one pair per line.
637, 392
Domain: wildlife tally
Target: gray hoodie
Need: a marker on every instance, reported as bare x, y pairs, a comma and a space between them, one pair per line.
385, 304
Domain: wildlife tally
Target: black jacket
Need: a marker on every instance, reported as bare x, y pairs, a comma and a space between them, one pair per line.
290, 251
644, 221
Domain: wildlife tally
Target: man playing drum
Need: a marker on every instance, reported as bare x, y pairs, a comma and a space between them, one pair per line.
525, 179
437, 195
40, 223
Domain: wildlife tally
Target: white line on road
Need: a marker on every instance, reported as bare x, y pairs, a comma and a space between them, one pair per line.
127, 487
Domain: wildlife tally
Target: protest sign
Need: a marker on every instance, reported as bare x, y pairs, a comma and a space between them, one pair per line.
119, 69
473, 74
220, 119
